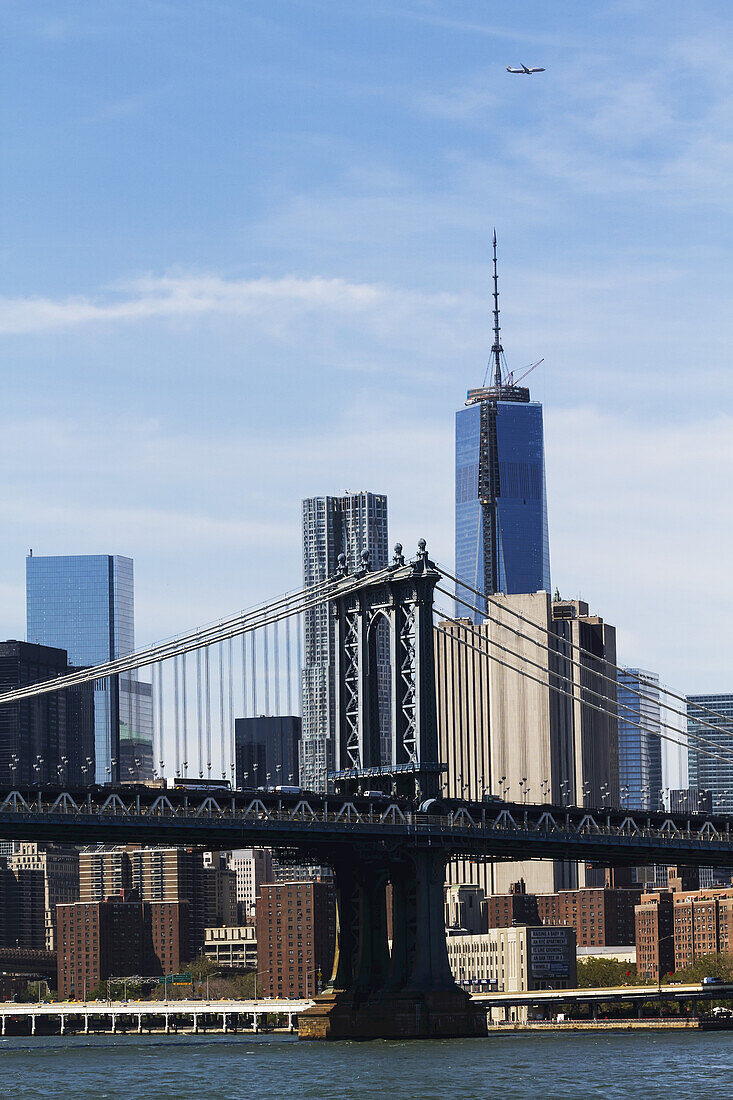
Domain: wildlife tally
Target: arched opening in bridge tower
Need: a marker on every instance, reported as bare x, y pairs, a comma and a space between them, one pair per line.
380, 688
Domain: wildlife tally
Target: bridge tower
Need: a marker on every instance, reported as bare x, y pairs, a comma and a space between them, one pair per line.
398, 599
408, 991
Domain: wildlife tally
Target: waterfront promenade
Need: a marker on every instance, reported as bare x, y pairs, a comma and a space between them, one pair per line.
229, 1016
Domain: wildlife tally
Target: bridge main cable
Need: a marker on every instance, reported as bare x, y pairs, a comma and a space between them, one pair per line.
568, 679
243, 623
484, 641
575, 646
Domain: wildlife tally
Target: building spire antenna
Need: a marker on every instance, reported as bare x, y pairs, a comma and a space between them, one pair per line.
497, 350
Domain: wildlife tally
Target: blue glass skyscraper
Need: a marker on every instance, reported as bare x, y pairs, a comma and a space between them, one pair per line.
85, 605
502, 541
710, 768
639, 698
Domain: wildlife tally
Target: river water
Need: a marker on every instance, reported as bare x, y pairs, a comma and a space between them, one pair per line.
551, 1066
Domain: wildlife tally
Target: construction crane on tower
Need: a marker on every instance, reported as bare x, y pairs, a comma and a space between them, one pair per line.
512, 381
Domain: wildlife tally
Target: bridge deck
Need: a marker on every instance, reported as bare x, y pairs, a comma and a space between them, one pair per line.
318, 826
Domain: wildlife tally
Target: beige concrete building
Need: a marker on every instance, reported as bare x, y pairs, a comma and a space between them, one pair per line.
513, 960
252, 867
464, 908
235, 947
506, 731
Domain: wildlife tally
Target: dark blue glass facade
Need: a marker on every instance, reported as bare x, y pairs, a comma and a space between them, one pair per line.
85, 605
502, 541
639, 744
710, 770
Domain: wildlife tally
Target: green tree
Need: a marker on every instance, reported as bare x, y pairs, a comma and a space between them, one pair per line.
706, 966
201, 968
599, 973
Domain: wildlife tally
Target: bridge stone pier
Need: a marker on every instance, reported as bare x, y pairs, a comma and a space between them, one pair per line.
408, 991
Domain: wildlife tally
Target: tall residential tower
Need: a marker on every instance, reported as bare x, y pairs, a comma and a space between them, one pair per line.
501, 533
348, 524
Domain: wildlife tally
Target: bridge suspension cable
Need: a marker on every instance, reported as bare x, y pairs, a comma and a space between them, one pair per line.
485, 641
584, 669
690, 737
581, 650
242, 623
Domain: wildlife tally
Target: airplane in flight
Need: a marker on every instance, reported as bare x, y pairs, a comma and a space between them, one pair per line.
524, 69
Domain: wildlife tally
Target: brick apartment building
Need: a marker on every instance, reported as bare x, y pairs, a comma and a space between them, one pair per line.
600, 916
654, 935
673, 928
296, 935
117, 937
164, 875
516, 907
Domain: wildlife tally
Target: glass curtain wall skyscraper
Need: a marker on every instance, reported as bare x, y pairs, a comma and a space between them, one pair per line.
85, 605
710, 768
332, 525
501, 532
708, 772
639, 743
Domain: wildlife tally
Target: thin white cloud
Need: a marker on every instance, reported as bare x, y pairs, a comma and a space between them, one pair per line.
184, 296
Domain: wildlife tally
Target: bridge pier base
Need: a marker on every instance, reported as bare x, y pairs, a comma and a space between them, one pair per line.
410, 994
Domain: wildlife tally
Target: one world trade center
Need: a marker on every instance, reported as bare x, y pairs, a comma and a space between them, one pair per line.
502, 542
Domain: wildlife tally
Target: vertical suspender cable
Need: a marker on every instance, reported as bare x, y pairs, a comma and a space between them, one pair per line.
276, 652
253, 650
266, 662
288, 664
232, 753
184, 713
154, 670
161, 731
199, 719
207, 712
299, 659
244, 676
177, 717
137, 734
222, 737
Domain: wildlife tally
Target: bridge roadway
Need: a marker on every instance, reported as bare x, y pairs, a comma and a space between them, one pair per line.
638, 994
323, 827
194, 1016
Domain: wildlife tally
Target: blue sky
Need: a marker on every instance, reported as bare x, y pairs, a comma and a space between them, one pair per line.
245, 259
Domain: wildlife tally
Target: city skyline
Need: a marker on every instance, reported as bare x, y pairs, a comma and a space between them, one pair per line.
357, 287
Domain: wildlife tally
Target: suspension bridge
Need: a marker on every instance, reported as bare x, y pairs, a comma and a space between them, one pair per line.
385, 818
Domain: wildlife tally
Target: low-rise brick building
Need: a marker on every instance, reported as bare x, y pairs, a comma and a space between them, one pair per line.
599, 916
703, 922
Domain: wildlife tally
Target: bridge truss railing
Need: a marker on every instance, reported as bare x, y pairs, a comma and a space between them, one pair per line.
346, 815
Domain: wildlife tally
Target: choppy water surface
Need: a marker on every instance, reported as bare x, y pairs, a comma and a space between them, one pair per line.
679, 1066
